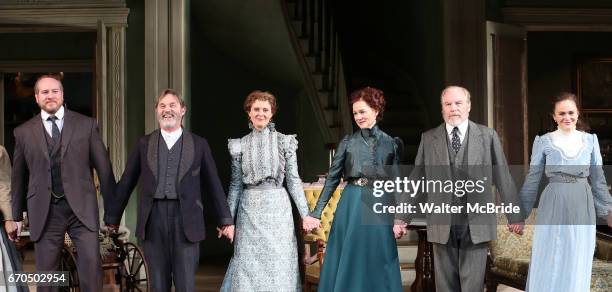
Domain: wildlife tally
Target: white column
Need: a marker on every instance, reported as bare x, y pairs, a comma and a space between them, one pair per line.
116, 98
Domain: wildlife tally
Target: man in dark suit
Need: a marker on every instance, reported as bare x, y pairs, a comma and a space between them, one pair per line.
54, 154
173, 168
460, 149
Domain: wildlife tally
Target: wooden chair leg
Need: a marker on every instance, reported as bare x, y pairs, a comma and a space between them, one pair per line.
307, 286
491, 285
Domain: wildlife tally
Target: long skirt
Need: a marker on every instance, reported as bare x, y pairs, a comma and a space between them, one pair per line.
9, 263
360, 255
265, 245
564, 239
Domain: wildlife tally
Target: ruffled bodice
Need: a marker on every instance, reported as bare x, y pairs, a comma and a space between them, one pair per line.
262, 154
265, 157
576, 155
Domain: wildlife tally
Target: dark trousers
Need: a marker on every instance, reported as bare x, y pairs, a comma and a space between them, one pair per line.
171, 257
460, 265
48, 248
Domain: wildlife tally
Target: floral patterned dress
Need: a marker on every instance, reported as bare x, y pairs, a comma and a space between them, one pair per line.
265, 246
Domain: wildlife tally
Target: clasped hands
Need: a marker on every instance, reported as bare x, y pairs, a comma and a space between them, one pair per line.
310, 223
227, 231
516, 228
400, 228
13, 229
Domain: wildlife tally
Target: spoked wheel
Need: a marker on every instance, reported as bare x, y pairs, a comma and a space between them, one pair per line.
68, 263
135, 270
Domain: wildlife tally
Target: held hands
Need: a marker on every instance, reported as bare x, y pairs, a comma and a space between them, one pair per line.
227, 231
309, 223
13, 229
517, 228
399, 228
112, 228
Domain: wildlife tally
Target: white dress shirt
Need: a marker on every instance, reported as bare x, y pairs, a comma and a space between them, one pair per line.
48, 124
463, 127
171, 137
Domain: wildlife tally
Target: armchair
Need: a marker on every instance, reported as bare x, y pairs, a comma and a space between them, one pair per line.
510, 254
318, 237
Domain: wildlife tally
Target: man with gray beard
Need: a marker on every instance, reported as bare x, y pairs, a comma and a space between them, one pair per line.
174, 168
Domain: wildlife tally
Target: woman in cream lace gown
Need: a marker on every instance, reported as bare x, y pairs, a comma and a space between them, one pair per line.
9, 259
564, 236
265, 246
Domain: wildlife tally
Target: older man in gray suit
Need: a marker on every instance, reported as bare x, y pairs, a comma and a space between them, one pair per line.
460, 149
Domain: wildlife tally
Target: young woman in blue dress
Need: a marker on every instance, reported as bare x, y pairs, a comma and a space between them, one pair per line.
577, 193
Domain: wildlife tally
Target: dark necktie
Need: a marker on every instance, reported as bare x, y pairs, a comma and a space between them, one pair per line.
55, 132
456, 142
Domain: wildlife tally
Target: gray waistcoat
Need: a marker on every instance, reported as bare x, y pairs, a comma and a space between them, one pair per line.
457, 162
168, 165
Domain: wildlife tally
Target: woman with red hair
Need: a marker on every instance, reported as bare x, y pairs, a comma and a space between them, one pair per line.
361, 253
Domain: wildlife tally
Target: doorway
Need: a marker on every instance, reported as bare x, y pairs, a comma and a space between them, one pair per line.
19, 104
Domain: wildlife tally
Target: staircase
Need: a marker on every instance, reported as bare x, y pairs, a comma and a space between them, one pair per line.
315, 41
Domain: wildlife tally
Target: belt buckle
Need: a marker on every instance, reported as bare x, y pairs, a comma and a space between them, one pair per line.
569, 179
362, 181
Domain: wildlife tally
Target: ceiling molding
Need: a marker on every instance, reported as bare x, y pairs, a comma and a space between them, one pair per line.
559, 19
65, 14
37, 66
25, 4
559, 3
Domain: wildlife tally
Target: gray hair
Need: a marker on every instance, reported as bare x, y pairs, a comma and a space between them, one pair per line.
170, 92
455, 87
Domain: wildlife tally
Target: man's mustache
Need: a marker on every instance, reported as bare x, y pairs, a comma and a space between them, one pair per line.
171, 113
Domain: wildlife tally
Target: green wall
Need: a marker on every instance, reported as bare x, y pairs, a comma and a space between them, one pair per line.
134, 93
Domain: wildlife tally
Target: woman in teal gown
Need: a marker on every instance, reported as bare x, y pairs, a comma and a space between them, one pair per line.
361, 255
577, 193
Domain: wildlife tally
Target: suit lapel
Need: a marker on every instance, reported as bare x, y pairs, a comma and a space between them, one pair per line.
475, 147
38, 132
152, 152
67, 130
440, 145
186, 154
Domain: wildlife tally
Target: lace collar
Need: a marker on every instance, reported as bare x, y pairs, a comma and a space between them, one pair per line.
269, 128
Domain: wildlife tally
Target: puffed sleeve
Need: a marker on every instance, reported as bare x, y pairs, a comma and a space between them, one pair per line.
294, 183
333, 178
529, 191
599, 187
5, 185
235, 188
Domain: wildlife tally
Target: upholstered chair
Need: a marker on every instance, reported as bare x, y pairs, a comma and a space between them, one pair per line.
510, 254
318, 237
